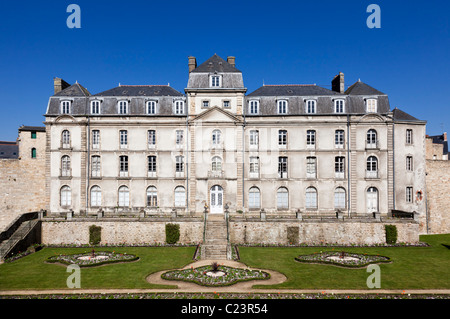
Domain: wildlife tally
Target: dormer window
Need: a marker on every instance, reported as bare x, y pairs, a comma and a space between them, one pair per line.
215, 81
253, 107
151, 107
311, 107
179, 107
95, 107
282, 106
371, 105
65, 107
123, 107
339, 106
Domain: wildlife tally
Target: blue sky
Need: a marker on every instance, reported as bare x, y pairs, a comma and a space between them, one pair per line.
275, 42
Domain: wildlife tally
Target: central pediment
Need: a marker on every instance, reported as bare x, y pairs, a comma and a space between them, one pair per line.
216, 114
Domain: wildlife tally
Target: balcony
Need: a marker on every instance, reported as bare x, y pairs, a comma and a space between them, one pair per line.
372, 145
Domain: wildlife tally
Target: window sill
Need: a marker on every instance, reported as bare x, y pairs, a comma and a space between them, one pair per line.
65, 177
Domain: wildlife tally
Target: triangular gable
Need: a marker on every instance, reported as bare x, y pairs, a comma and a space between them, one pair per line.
216, 114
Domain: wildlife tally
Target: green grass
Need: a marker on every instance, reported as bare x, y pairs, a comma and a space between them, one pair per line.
31, 272
412, 267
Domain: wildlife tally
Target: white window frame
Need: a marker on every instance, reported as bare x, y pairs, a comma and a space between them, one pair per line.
216, 164
409, 163
180, 196
179, 166
311, 167
96, 196
253, 107
339, 167
179, 138
311, 107
96, 166
152, 196
409, 194
372, 167
371, 139
216, 138
340, 198
178, 107
254, 139
339, 138
96, 139
123, 166
65, 139
66, 107
282, 106
282, 138
66, 166
254, 198
283, 167
310, 139
254, 167
371, 105
282, 198
311, 198
95, 107
339, 106
151, 165
124, 196
409, 136
150, 107
122, 107
65, 196
215, 81
123, 139
151, 138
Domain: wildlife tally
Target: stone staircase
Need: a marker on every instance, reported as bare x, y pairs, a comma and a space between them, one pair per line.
25, 228
216, 243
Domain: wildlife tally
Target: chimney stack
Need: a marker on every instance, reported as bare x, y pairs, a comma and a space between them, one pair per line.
231, 60
59, 84
338, 84
192, 63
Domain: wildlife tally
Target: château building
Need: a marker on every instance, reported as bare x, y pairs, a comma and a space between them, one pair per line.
284, 149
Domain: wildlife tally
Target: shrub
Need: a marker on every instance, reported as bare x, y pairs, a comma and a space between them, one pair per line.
391, 234
95, 235
172, 233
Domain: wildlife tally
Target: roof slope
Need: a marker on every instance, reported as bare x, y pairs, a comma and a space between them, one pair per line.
74, 90
215, 64
402, 116
292, 90
141, 90
361, 88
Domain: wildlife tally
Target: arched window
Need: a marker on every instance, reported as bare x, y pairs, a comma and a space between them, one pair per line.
216, 137
216, 164
65, 139
254, 198
311, 198
65, 166
372, 200
180, 196
282, 198
339, 198
152, 196
371, 140
66, 196
96, 196
124, 196
372, 167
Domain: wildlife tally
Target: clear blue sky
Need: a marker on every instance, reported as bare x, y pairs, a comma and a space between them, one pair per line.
278, 42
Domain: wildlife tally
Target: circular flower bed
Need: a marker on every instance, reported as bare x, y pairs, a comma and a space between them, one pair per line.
215, 277
89, 259
343, 258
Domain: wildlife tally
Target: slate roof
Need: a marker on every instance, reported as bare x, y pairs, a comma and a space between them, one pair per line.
74, 90
215, 64
32, 128
402, 116
141, 90
361, 88
9, 150
292, 90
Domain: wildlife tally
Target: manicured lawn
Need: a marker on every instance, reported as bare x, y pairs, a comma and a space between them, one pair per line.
31, 272
412, 267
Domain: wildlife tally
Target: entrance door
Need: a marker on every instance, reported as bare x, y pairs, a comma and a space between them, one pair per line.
372, 200
216, 200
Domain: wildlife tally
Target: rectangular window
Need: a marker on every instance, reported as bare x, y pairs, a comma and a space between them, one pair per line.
339, 106
409, 163
151, 107
65, 107
152, 166
95, 107
123, 107
409, 136
311, 167
215, 81
310, 107
409, 194
123, 163
226, 104
151, 138
123, 136
95, 166
205, 104
254, 167
282, 137
179, 107
339, 166
33, 135
339, 139
152, 197
179, 164
254, 138
179, 138
96, 139
282, 167
253, 107
371, 105
282, 107
310, 139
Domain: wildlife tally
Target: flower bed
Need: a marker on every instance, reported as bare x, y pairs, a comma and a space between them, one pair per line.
204, 275
341, 258
89, 259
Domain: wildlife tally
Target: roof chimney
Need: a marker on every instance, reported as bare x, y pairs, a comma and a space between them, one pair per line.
231, 60
192, 63
59, 84
338, 84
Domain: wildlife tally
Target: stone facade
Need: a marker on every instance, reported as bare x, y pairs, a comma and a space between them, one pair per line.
438, 198
23, 179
